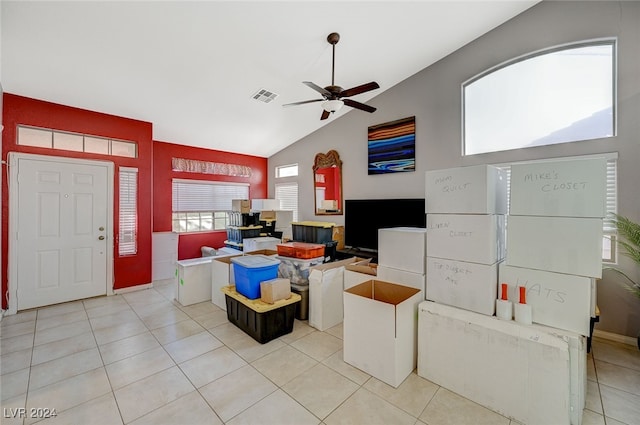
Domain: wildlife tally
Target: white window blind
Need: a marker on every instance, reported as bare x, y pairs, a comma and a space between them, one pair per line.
608, 226
201, 206
287, 193
198, 195
128, 213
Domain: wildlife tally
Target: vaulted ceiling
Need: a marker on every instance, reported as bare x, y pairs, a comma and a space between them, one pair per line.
192, 68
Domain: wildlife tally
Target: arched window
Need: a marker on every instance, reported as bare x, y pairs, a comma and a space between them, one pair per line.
557, 95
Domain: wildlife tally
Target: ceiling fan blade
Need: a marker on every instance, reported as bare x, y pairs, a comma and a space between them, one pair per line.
317, 88
359, 89
303, 102
358, 105
325, 115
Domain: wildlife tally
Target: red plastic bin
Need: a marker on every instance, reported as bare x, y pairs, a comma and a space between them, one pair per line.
305, 251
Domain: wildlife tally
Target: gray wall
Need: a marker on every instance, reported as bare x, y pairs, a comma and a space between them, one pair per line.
433, 96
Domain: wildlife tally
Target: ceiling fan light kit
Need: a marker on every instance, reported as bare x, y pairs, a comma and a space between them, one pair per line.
332, 105
332, 95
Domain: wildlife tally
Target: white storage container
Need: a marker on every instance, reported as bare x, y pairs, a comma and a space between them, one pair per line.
466, 237
478, 189
557, 244
470, 286
193, 280
380, 327
562, 301
531, 373
403, 248
570, 188
297, 269
260, 243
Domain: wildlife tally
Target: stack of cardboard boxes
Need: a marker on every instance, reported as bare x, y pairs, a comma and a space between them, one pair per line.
555, 239
532, 373
466, 210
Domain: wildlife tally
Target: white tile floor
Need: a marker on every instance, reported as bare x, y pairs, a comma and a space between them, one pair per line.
141, 358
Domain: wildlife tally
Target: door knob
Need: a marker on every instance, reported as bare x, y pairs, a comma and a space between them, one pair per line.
101, 238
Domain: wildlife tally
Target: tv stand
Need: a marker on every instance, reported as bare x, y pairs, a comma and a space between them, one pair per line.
345, 253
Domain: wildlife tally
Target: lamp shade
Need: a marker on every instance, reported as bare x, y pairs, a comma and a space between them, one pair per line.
332, 105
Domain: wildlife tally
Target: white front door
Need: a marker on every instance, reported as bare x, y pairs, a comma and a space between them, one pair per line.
63, 230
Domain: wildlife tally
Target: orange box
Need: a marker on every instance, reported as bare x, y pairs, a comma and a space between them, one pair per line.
303, 250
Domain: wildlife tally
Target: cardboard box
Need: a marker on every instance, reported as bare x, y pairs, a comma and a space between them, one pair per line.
403, 277
284, 218
470, 286
267, 252
570, 188
466, 237
338, 235
221, 275
562, 301
241, 205
329, 204
403, 248
267, 215
557, 244
326, 284
193, 280
533, 374
274, 290
380, 328
359, 272
265, 204
478, 189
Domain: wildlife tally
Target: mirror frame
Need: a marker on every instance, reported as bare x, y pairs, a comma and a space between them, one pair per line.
328, 160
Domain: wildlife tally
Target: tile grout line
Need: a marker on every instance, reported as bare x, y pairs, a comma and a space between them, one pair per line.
113, 394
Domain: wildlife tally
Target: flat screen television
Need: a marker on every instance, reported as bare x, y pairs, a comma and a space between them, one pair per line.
363, 218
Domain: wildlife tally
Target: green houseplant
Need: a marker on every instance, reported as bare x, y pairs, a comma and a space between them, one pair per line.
629, 241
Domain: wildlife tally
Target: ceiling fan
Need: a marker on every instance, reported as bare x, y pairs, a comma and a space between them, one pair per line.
333, 96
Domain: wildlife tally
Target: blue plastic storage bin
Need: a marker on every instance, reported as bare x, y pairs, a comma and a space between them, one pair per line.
250, 270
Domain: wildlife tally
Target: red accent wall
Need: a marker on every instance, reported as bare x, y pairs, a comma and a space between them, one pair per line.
189, 244
331, 182
128, 271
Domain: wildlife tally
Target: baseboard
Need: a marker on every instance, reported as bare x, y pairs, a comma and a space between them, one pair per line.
615, 337
133, 288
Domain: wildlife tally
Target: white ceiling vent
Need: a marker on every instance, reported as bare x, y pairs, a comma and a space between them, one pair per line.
264, 95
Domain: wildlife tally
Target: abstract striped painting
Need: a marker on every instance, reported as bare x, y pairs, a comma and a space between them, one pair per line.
392, 146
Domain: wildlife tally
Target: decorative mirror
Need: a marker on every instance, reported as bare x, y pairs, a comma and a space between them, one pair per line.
327, 183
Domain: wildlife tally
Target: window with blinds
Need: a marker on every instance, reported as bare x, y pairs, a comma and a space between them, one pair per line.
608, 226
287, 193
200, 206
128, 211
